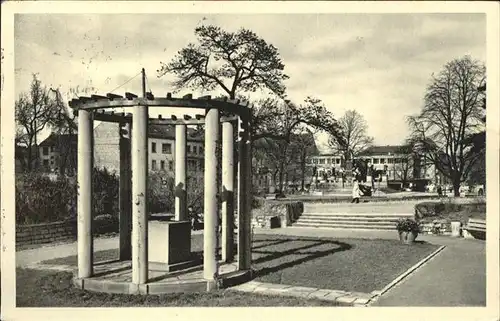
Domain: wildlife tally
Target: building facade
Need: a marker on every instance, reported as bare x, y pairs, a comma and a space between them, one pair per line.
61, 150
58, 153
161, 149
388, 163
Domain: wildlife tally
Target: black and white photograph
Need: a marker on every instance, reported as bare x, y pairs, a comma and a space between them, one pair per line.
249, 154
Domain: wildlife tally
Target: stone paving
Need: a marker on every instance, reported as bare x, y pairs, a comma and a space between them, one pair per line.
341, 297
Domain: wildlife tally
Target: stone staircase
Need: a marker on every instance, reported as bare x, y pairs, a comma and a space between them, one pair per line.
378, 216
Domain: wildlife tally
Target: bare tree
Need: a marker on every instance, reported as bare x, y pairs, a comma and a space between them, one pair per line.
33, 112
354, 128
451, 113
405, 164
232, 61
278, 119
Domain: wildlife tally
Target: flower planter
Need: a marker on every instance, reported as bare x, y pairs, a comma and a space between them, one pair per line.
408, 237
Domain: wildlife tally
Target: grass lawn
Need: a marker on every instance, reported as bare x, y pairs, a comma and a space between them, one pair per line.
36, 288
340, 264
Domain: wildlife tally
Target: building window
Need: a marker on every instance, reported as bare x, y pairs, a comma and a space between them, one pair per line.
200, 150
321, 160
153, 164
375, 161
162, 165
382, 161
45, 150
390, 160
337, 161
51, 148
194, 149
329, 161
308, 161
46, 162
170, 165
153, 147
166, 148
189, 148
315, 161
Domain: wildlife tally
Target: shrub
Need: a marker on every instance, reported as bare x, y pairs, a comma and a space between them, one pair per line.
106, 189
160, 193
104, 224
429, 209
408, 225
433, 209
41, 199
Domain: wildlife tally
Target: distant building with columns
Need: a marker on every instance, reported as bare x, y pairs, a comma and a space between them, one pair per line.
388, 162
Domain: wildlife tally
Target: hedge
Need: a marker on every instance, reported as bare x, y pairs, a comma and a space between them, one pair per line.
44, 199
434, 209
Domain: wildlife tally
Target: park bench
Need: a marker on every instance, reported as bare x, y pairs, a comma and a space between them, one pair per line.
477, 228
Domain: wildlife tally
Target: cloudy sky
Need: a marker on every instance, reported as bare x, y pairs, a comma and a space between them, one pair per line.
377, 64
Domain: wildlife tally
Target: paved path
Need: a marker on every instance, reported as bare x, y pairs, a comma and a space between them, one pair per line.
48, 252
455, 277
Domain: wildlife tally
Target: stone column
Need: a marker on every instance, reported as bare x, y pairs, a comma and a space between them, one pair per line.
125, 193
85, 168
180, 173
139, 195
227, 192
210, 218
249, 199
243, 227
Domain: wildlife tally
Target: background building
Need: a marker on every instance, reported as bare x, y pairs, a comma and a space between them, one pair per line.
58, 151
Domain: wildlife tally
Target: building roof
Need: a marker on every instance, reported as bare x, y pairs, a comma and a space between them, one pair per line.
381, 150
155, 131
168, 132
55, 139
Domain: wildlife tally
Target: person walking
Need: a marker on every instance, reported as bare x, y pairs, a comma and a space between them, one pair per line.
355, 192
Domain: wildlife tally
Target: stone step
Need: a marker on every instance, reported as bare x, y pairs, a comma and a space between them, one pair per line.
359, 215
347, 219
347, 226
346, 222
351, 210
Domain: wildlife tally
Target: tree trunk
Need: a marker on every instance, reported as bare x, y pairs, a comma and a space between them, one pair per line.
303, 171
281, 174
456, 185
30, 155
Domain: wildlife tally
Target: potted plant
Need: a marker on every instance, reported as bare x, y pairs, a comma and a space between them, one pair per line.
408, 230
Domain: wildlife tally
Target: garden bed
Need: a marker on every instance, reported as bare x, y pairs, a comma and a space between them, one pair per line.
340, 264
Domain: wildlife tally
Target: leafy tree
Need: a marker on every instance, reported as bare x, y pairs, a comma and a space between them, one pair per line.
232, 61
354, 128
451, 113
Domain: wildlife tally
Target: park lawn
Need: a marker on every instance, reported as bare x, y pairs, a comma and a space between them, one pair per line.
38, 288
358, 265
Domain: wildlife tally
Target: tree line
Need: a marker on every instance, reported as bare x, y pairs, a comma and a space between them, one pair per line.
447, 130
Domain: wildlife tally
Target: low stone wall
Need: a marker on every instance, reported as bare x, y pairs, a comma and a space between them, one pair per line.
45, 233
272, 214
63, 231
